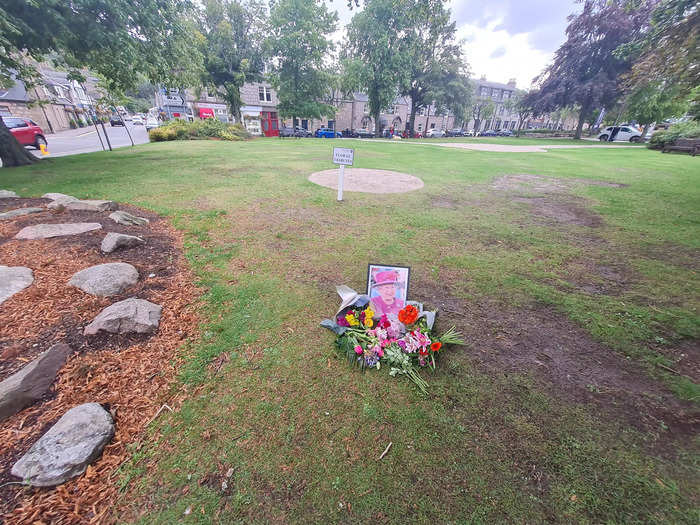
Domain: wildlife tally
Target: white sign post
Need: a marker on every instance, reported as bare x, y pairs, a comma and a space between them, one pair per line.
342, 157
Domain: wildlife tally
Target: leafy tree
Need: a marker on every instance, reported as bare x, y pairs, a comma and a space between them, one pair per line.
654, 102
381, 59
435, 64
116, 39
231, 36
482, 109
669, 50
586, 69
299, 46
524, 103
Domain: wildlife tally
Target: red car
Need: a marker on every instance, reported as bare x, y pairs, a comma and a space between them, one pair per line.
27, 132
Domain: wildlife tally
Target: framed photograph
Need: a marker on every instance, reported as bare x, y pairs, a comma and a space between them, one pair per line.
387, 287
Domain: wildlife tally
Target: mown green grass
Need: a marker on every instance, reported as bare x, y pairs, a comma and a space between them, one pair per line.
302, 432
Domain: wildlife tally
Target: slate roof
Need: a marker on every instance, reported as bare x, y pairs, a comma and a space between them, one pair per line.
16, 93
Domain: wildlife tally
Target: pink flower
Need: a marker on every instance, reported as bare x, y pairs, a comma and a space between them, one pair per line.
358, 350
380, 352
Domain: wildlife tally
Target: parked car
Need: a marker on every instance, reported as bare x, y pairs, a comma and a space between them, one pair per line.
137, 121
287, 131
114, 120
26, 131
471, 133
455, 133
434, 133
327, 133
620, 133
302, 132
504, 133
489, 133
364, 133
151, 123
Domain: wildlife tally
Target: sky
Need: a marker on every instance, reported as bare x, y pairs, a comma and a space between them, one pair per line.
504, 39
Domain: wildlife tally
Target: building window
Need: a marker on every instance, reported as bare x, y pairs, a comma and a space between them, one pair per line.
420, 127
484, 92
264, 94
432, 126
421, 112
506, 95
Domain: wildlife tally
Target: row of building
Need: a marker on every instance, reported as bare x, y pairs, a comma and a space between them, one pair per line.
57, 103
60, 103
260, 116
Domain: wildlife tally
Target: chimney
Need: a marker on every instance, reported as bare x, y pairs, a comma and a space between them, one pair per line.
511, 82
483, 77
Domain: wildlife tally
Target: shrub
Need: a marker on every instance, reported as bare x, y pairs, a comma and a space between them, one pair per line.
72, 124
199, 129
682, 130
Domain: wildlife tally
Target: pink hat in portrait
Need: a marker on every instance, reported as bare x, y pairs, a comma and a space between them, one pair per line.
386, 277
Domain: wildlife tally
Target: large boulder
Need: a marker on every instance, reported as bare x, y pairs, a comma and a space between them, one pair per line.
7, 194
90, 205
19, 212
105, 279
128, 316
127, 219
14, 279
113, 241
45, 231
69, 446
29, 384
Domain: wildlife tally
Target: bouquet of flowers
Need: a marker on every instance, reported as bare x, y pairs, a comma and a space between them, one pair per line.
404, 344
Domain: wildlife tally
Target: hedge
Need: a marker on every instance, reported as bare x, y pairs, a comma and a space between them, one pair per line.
199, 129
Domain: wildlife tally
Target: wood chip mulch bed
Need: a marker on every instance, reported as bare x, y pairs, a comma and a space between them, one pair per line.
132, 376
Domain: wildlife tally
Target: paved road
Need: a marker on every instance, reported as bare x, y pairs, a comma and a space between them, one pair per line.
85, 140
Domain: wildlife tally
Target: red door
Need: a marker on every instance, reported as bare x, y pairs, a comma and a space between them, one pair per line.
270, 124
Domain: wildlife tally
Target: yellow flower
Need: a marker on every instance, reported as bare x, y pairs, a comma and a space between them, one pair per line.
369, 312
352, 320
369, 322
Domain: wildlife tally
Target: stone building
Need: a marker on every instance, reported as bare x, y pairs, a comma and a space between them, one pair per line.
56, 103
498, 94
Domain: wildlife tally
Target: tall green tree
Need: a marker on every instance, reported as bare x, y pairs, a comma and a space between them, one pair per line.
117, 39
299, 46
436, 69
586, 70
654, 102
668, 50
232, 35
482, 109
381, 58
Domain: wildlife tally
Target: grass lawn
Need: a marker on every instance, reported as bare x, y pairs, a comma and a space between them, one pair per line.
521, 141
573, 401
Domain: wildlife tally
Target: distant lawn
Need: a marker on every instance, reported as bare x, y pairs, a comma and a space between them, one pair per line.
525, 140
498, 240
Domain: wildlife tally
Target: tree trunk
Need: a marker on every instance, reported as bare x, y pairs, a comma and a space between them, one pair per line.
644, 132
427, 119
12, 152
520, 125
377, 129
581, 119
412, 119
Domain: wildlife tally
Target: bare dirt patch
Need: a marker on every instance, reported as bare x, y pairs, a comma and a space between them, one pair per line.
564, 360
368, 181
130, 375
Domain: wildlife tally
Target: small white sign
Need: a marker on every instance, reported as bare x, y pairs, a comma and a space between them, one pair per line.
343, 156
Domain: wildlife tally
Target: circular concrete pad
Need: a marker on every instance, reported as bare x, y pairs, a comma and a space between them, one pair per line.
368, 181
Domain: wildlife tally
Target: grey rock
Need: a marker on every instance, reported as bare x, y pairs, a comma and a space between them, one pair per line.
6, 194
91, 205
44, 231
56, 196
65, 451
11, 214
127, 219
61, 202
31, 382
113, 241
14, 279
128, 316
105, 279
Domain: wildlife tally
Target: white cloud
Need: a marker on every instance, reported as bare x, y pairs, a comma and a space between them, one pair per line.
500, 56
